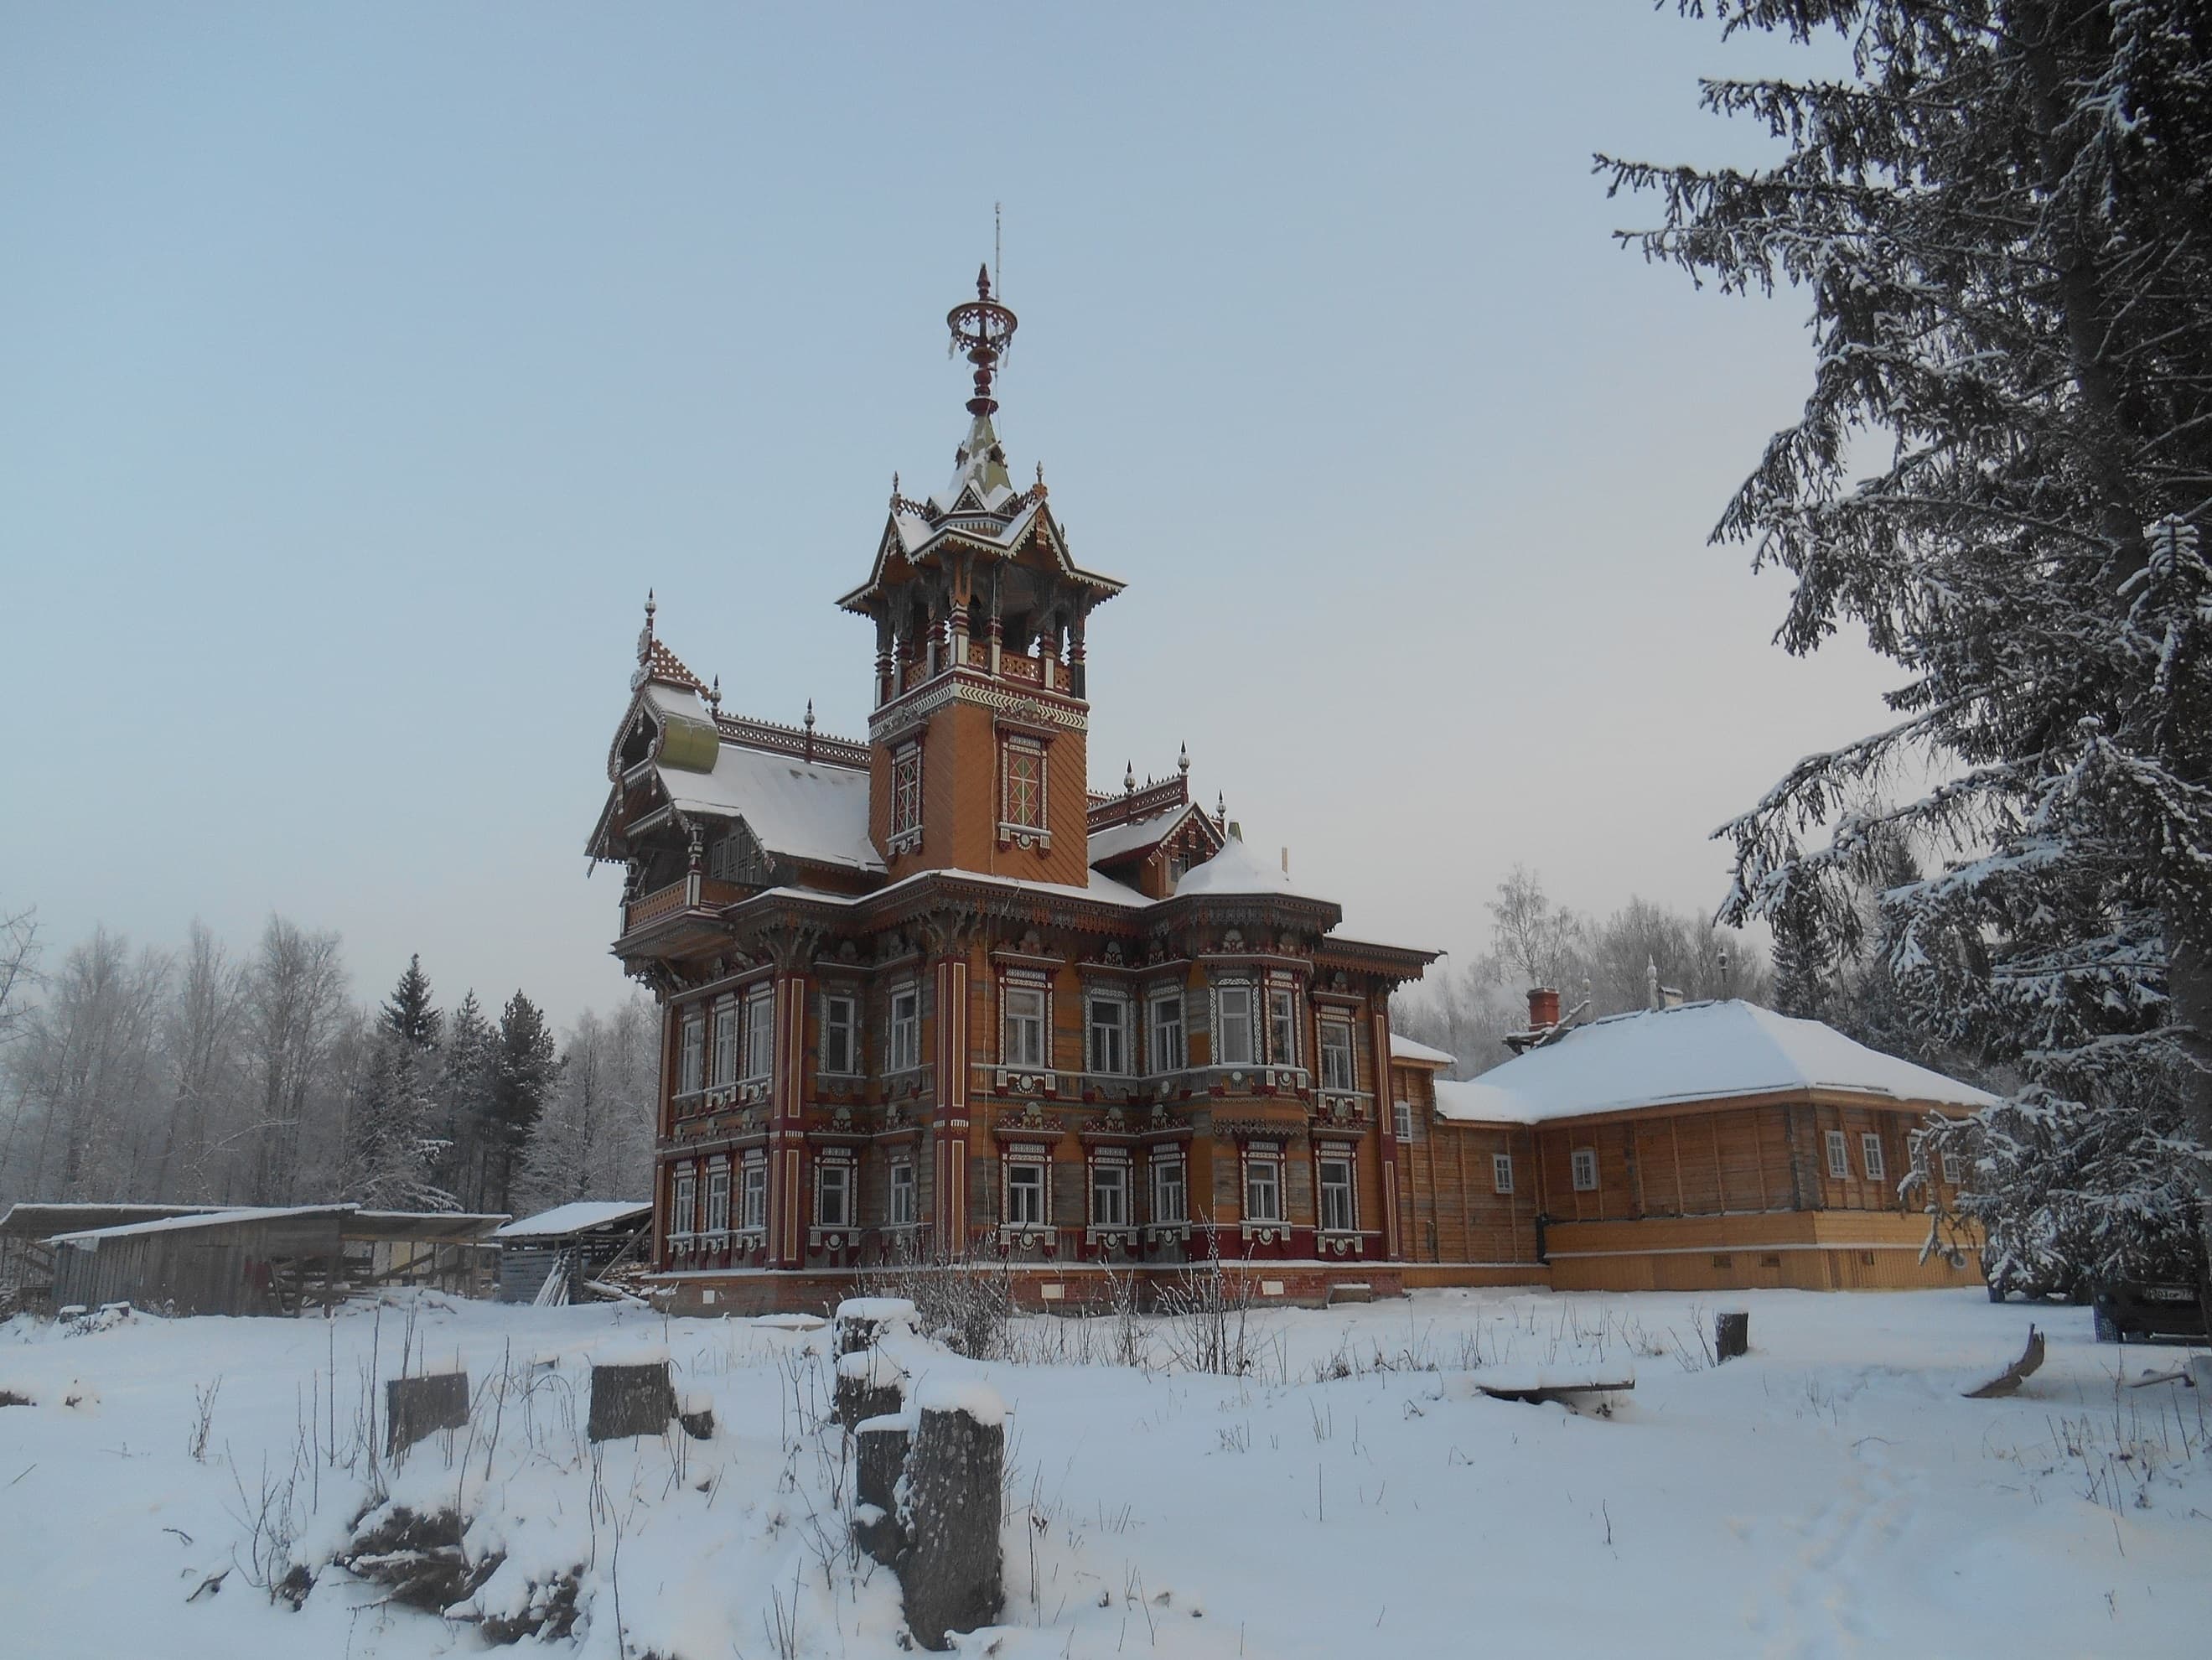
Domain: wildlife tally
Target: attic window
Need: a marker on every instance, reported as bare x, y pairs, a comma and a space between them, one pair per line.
637, 743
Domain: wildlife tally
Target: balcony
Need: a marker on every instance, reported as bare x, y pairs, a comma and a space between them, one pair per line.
673, 900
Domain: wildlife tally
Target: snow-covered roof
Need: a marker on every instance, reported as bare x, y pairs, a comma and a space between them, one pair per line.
799, 809
1236, 869
1137, 835
1697, 1052
214, 1219
575, 1217
1403, 1048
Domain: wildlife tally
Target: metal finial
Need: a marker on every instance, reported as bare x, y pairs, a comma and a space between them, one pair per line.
1182, 759
810, 715
894, 486
985, 329
715, 696
1129, 777
1221, 807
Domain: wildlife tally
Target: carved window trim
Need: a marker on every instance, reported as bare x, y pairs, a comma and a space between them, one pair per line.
1024, 786
904, 834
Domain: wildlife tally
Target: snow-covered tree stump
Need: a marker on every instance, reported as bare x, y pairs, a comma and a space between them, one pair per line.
696, 1412
1731, 1334
416, 1407
952, 1571
631, 1396
870, 1385
880, 1447
861, 1323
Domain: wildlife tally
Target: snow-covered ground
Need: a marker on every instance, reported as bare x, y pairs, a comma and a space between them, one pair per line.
1833, 1494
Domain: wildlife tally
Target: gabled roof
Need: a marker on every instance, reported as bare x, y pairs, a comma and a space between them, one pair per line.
1697, 1052
1138, 836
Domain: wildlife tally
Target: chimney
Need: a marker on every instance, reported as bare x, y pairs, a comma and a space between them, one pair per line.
1543, 1008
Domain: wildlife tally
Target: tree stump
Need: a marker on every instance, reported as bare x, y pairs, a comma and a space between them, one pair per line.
416, 1407
880, 1459
1731, 1334
862, 1322
951, 1570
696, 1412
630, 1398
870, 1385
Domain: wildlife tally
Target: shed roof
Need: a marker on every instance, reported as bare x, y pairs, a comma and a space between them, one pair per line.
1697, 1052
578, 1216
218, 1219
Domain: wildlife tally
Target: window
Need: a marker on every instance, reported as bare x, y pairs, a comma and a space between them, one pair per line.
725, 1044
1724, 1261
1870, 1152
1110, 1195
1336, 1055
684, 1216
1110, 1036
1336, 1206
840, 1033
902, 1196
906, 796
1501, 1172
1283, 1029
1167, 1202
833, 1195
1025, 1194
1021, 1039
1023, 763
1263, 1188
1232, 1040
1585, 1168
1402, 1120
752, 1212
905, 1044
1943, 1164
1839, 1156
690, 1073
1168, 1053
718, 1199
760, 1034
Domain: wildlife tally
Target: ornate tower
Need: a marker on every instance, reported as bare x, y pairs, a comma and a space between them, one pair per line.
976, 743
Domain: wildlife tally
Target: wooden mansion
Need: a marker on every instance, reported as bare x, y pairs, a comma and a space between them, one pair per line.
929, 994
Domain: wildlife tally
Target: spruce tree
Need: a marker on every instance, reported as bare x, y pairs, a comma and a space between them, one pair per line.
522, 1075
464, 1104
408, 1012
2002, 219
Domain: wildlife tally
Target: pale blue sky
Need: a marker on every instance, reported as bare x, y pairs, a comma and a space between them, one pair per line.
363, 366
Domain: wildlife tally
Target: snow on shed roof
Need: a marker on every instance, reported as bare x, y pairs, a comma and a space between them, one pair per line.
1697, 1052
797, 809
214, 1219
576, 1217
1403, 1048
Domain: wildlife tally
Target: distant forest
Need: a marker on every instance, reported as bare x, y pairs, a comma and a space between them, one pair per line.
202, 1072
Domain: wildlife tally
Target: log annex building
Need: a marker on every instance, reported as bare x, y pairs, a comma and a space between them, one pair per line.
929, 994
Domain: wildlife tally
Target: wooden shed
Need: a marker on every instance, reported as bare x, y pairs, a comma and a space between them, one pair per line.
556, 1256
26, 1255
266, 1261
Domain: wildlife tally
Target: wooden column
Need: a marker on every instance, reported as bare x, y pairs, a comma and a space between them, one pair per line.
787, 1139
949, 1070
1386, 1129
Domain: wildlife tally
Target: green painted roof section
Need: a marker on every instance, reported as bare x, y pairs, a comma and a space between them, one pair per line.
690, 745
